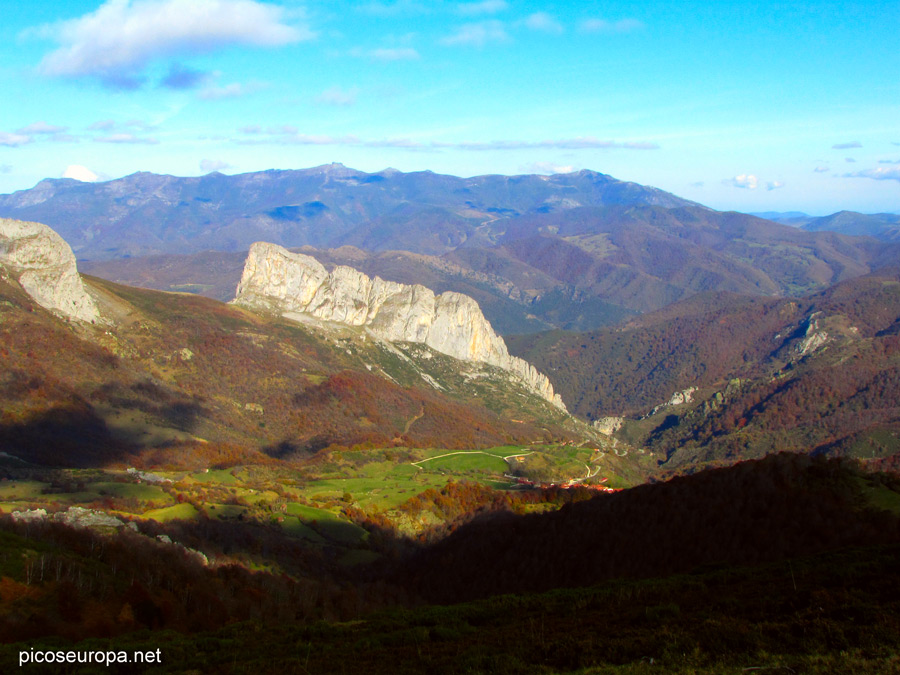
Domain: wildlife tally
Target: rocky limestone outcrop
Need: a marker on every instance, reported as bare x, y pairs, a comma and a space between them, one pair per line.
277, 280
42, 262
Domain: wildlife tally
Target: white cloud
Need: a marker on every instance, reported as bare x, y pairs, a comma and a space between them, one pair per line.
478, 34
337, 96
394, 54
116, 42
604, 26
881, 173
81, 173
846, 146
774, 185
14, 140
543, 22
41, 128
479, 8
210, 165
746, 181
127, 139
547, 168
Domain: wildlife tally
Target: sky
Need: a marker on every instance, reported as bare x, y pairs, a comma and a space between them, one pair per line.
770, 106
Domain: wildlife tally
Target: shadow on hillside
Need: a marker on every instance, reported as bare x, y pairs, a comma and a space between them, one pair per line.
292, 450
62, 436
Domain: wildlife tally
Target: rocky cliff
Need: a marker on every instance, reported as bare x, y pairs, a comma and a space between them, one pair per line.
42, 262
451, 323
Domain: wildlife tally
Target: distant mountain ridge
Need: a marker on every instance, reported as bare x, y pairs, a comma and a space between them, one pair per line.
883, 226
323, 206
574, 251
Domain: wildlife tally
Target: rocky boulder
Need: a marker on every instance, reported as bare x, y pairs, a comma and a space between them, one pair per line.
44, 265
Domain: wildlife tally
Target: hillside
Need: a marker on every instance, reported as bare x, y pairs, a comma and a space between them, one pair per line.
815, 373
782, 564
185, 371
748, 514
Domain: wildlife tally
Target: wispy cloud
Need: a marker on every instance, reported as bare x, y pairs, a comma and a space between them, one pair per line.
291, 134
481, 8
116, 42
477, 34
214, 92
606, 26
210, 165
14, 140
774, 185
846, 146
393, 54
745, 181
337, 96
41, 128
401, 7
102, 125
543, 23
880, 173
127, 139
822, 169
581, 143
889, 161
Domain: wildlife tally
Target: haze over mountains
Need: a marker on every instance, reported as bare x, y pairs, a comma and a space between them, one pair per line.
575, 251
883, 226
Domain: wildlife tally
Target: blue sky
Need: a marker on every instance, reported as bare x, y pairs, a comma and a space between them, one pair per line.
777, 106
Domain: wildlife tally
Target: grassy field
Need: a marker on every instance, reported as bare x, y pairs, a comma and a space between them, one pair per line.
21, 490
306, 505
177, 512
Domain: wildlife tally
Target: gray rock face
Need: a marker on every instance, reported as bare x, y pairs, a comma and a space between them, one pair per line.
277, 280
44, 265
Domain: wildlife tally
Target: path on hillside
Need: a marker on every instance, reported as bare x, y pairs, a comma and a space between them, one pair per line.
459, 452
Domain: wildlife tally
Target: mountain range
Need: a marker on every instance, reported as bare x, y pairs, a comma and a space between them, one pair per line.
574, 251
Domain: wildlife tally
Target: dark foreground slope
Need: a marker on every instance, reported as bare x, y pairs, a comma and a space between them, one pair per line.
754, 512
776, 565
